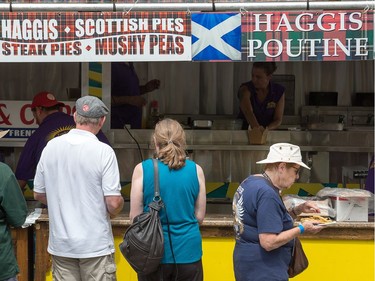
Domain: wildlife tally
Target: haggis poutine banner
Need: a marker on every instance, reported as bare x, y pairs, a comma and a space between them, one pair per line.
68, 37
308, 36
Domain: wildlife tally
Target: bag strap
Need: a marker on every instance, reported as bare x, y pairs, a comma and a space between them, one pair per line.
267, 178
156, 181
158, 198
294, 246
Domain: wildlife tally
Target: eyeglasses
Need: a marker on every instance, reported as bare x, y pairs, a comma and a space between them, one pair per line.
296, 170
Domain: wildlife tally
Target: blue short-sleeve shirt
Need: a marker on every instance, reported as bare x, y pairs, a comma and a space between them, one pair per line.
258, 208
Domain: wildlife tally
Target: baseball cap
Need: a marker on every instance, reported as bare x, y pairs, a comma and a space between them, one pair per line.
284, 152
91, 107
3, 133
45, 99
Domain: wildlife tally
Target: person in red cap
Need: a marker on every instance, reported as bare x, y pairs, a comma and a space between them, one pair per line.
43, 104
52, 123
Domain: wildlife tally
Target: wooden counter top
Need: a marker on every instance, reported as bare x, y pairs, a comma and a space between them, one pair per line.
221, 225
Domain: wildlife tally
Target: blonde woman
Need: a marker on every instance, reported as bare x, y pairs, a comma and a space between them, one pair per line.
183, 191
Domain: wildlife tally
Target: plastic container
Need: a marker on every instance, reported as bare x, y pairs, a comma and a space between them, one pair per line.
256, 136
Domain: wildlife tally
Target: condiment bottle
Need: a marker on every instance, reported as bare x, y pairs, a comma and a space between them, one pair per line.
154, 116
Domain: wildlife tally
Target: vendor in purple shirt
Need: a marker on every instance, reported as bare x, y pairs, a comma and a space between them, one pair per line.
52, 123
127, 96
261, 101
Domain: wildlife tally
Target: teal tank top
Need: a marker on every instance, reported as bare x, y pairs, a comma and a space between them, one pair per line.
179, 191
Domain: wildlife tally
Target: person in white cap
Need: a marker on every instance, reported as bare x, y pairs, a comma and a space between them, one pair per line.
13, 212
78, 178
264, 229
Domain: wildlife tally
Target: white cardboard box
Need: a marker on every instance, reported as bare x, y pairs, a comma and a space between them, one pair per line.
350, 208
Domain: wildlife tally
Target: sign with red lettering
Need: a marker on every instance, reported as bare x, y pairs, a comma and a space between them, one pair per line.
18, 118
167, 36
55, 37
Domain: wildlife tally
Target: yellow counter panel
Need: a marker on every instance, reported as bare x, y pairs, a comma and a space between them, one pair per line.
343, 252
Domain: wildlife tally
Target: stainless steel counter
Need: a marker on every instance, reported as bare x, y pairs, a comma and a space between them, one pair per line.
358, 140
227, 156
353, 141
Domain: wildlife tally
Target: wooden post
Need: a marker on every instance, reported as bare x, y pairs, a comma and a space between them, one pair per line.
42, 258
20, 242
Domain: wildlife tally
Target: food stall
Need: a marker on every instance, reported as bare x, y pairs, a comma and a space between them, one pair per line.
164, 44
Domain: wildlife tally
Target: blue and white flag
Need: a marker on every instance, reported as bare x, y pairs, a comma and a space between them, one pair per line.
216, 36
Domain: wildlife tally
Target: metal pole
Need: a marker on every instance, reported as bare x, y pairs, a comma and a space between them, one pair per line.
193, 7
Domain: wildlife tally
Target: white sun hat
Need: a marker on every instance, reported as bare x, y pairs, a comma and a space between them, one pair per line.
3, 133
284, 152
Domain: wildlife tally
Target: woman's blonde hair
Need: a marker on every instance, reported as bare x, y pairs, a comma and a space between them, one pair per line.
170, 142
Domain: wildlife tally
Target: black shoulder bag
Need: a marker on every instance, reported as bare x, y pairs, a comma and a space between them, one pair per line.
143, 243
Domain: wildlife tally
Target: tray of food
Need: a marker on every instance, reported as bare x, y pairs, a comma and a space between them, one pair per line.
317, 219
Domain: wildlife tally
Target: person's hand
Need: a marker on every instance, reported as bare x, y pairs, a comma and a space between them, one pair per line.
308, 207
259, 128
152, 85
311, 227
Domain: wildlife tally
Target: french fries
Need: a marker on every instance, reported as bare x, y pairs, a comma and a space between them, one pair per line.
316, 219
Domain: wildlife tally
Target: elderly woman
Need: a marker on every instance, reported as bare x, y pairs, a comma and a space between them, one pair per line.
183, 191
264, 229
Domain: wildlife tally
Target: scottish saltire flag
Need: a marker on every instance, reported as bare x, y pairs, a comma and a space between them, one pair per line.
216, 36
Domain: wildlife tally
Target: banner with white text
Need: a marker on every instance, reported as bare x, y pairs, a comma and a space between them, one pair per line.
177, 36
99, 37
308, 36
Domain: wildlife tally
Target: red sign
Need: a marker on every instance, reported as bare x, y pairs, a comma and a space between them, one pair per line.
17, 116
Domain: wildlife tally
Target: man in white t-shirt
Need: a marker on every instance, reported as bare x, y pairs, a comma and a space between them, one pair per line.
78, 179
